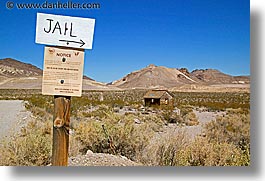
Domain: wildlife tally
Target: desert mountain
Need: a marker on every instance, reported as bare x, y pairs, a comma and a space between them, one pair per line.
162, 77
18, 75
14, 68
154, 77
212, 76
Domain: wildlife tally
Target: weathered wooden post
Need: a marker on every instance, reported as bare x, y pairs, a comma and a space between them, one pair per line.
63, 70
62, 77
61, 122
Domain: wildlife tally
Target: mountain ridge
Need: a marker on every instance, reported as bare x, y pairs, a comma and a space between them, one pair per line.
154, 76
13, 72
10, 68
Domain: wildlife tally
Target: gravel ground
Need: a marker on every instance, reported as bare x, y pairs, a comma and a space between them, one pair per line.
100, 159
204, 118
192, 131
13, 116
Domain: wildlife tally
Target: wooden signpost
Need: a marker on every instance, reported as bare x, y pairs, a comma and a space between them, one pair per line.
63, 70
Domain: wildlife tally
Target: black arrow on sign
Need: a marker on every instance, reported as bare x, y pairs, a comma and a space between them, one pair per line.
79, 42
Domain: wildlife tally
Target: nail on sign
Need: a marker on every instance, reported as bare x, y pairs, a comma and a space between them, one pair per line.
65, 31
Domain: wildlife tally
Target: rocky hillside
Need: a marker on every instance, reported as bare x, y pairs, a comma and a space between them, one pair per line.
14, 68
162, 77
212, 76
154, 77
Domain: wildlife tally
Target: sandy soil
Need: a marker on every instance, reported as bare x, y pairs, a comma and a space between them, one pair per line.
100, 159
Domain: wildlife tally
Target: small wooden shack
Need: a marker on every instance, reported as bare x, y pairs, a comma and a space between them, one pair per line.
158, 97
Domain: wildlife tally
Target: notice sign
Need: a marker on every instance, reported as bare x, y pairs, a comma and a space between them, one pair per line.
65, 31
63, 71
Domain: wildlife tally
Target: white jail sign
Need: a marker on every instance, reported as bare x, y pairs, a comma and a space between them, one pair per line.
65, 31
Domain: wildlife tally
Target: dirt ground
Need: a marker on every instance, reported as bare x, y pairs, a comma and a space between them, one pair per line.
13, 116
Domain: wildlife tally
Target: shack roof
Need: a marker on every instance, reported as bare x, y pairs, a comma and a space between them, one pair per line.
156, 94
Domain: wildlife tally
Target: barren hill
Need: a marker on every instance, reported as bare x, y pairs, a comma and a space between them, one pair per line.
212, 76
18, 75
15, 74
162, 77
14, 68
154, 77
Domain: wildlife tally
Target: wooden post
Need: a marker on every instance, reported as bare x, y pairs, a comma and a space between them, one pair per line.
61, 122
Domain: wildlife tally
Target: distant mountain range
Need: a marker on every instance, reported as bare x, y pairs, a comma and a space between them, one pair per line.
16, 74
162, 77
14, 68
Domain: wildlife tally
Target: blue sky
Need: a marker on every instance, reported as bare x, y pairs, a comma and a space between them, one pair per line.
131, 34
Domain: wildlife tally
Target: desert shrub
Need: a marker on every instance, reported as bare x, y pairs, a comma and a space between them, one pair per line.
98, 113
213, 100
234, 128
40, 101
185, 109
78, 104
17, 94
169, 115
162, 149
176, 150
202, 152
187, 116
29, 148
153, 122
128, 138
92, 137
190, 119
226, 142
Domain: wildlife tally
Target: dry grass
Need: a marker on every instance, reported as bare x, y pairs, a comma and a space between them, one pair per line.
137, 135
29, 148
226, 144
128, 138
202, 152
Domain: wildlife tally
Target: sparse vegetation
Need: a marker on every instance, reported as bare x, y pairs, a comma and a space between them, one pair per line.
226, 143
137, 132
213, 100
31, 147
